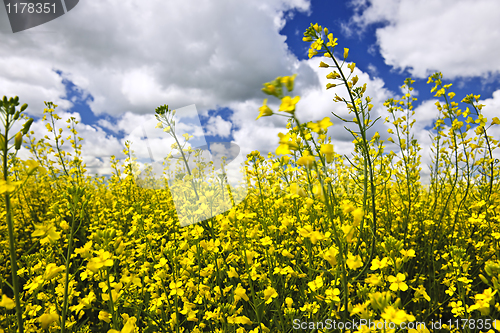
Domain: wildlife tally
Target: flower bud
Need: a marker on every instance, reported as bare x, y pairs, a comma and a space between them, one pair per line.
24, 107
16, 99
27, 126
18, 140
4, 99
16, 115
12, 109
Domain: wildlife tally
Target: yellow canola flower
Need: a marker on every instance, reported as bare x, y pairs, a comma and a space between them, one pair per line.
129, 326
288, 81
288, 104
332, 42
47, 232
269, 294
47, 319
379, 264
265, 111
239, 320
348, 232
103, 259
354, 262
347, 207
327, 150
7, 303
105, 316
318, 192
396, 316
52, 270
357, 215
346, 52
240, 293
296, 189
316, 284
8, 186
330, 255
397, 282
283, 149
306, 160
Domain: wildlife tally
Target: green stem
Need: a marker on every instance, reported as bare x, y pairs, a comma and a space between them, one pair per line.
10, 226
66, 283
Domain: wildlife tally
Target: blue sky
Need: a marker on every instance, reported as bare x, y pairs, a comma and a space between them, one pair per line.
111, 64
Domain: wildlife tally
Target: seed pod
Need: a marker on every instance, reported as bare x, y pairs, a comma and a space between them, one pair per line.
24, 107
18, 141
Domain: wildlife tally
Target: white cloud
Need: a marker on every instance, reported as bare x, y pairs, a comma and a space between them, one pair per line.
460, 38
134, 57
218, 126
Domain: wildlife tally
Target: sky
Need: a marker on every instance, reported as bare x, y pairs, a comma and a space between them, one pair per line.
111, 63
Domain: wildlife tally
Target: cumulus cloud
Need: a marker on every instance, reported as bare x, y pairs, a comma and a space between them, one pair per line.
460, 38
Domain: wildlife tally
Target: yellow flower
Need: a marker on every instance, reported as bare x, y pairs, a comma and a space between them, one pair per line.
348, 232
269, 294
395, 316
357, 215
51, 271
8, 186
306, 160
266, 241
327, 151
316, 284
288, 104
129, 326
48, 232
296, 189
175, 288
7, 303
397, 282
265, 111
288, 81
346, 52
330, 255
283, 149
331, 41
47, 319
354, 262
239, 320
103, 259
332, 295
105, 316
240, 293
378, 264
408, 253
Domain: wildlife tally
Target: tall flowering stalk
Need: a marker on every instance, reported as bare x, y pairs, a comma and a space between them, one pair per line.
9, 116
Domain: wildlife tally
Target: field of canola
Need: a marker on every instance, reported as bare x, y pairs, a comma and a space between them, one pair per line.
317, 237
